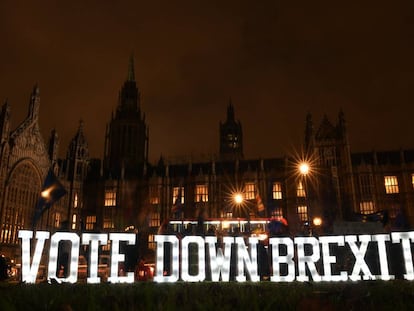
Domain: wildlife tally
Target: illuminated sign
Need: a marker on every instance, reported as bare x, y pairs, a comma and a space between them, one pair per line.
300, 259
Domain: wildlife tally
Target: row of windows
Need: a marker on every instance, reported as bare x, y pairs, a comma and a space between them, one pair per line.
368, 207
201, 191
366, 184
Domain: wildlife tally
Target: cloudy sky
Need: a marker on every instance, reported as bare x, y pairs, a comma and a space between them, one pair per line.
277, 60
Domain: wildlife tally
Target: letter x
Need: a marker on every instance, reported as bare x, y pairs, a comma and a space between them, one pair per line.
359, 253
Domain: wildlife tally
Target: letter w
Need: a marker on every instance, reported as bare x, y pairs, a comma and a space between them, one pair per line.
219, 262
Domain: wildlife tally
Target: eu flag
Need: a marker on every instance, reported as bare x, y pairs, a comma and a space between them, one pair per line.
52, 191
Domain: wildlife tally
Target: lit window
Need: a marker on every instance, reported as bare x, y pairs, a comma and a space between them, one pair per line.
232, 141
90, 222
108, 224
300, 191
412, 180
57, 220
277, 191
391, 184
303, 212
73, 221
151, 242
107, 247
366, 207
178, 192
75, 200
277, 212
201, 193
154, 196
228, 215
250, 191
155, 219
110, 197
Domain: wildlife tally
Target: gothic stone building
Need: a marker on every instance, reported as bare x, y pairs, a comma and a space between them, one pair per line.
123, 191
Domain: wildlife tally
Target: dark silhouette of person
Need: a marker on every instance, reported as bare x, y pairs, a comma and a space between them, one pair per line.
4, 269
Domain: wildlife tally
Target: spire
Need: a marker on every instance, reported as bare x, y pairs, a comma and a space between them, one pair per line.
53, 146
4, 121
80, 128
231, 136
77, 157
80, 137
131, 73
5, 109
34, 102
77, 143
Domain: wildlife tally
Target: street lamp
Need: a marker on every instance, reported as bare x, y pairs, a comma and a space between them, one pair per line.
317, 221
238, 198
304, 168
240, 204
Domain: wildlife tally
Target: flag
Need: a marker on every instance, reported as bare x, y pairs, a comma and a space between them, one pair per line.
380, 216
281, 219
52, 191
260, 205
277, 225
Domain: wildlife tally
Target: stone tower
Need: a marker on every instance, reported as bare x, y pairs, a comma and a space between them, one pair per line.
126, 140
330, 149
231, 137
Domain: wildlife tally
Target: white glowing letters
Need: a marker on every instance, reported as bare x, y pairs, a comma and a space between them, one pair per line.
198, 258
71, 239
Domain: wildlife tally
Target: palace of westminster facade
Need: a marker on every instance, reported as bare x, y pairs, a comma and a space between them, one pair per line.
125, 191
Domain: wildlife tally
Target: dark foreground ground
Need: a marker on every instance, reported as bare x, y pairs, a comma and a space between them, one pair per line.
372, 295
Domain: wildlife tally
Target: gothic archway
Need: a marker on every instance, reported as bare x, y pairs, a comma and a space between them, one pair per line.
21, 197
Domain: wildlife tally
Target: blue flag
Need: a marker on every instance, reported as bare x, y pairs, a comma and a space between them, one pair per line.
52, 191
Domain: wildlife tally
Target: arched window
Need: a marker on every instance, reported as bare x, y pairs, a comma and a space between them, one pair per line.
22, 194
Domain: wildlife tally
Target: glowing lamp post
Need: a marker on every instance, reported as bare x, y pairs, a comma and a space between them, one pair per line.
303, 171
238, 198
317, 221
304, 168
238, 201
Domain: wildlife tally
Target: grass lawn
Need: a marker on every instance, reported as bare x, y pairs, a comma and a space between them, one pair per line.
372, 295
